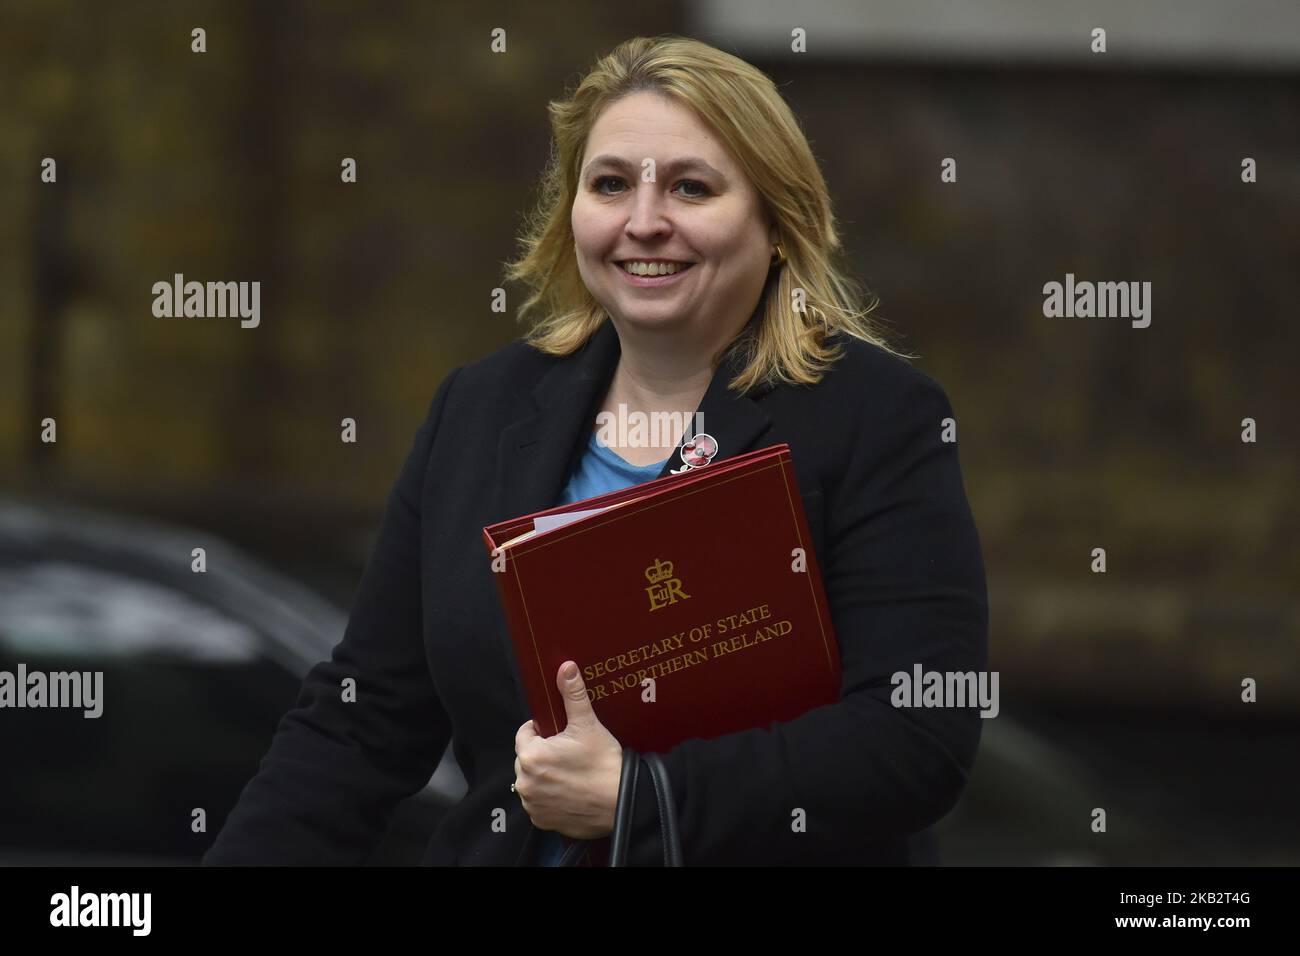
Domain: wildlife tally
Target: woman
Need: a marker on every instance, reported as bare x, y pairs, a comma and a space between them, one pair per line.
670, 157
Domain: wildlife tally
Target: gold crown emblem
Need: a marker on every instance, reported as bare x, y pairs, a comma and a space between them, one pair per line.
659, 571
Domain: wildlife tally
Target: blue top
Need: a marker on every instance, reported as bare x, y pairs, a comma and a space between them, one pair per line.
601, 470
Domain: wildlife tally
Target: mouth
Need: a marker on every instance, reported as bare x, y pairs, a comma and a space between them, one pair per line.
651, 272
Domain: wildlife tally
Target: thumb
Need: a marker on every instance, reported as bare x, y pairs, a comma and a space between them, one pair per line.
576, 705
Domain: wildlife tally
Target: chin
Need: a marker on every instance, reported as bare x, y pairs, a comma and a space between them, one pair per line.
641, 320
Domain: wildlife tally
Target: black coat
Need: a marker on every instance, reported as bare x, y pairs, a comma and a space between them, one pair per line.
428, 646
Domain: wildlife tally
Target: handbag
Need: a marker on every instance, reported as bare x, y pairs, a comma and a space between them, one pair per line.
625, 806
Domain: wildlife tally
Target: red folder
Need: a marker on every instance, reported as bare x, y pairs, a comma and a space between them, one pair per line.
686, 604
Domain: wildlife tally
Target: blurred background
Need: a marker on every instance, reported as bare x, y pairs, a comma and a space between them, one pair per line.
1119, 690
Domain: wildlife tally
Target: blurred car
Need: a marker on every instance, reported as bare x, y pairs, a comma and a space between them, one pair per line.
198, 669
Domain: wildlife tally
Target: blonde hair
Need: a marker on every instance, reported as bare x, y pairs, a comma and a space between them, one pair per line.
744, 107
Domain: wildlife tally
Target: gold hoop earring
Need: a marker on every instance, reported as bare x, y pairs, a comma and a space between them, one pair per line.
780, 255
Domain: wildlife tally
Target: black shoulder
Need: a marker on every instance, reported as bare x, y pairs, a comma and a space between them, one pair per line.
516, 357
869, 375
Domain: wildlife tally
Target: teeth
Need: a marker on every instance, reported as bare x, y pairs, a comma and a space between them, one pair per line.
653, 268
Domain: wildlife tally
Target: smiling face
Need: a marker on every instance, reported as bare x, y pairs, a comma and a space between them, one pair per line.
700, 212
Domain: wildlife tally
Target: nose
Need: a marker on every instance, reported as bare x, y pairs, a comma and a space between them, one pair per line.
647, 220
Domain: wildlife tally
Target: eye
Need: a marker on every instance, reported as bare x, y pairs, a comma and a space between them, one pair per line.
604, 179
704, 190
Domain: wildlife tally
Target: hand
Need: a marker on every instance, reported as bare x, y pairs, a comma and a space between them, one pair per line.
569, 782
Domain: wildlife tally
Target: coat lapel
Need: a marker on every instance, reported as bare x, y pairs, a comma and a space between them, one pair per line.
735, 423
537, 453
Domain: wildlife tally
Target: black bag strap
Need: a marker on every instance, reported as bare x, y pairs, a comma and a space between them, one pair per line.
667, 810
623, 809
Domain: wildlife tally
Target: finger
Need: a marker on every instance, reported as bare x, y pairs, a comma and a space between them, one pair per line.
576, 705
527, 732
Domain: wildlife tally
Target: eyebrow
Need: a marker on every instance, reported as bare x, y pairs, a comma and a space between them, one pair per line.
685, 164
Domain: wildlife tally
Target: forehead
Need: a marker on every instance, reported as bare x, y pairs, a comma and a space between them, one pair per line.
648, 124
